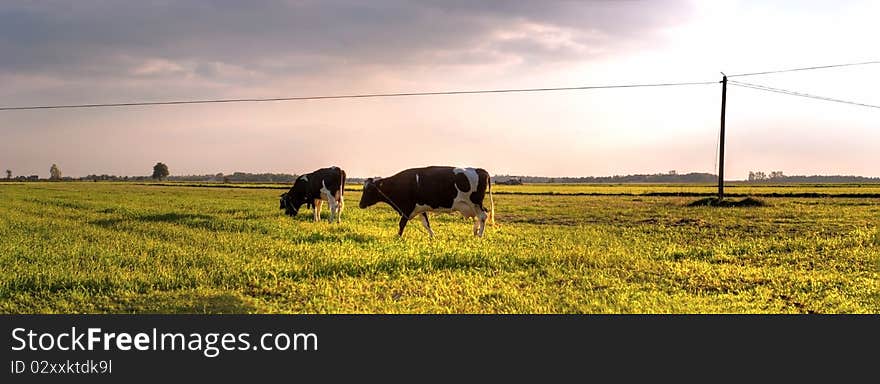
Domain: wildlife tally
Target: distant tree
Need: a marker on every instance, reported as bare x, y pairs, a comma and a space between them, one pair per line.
751, 176
160, 171
54, 173
776, 175
8, 174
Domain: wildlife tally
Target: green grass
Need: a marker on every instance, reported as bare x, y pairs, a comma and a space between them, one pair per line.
127, 248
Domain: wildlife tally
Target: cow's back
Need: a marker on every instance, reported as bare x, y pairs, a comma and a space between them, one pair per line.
433, 186
331, 178
439, 186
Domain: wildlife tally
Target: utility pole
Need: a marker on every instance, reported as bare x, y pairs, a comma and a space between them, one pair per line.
721, 142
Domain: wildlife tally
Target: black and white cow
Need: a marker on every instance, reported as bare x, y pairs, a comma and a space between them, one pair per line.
312, 189
417, 191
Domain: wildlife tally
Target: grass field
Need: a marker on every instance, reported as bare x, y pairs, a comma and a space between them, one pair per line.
128, 248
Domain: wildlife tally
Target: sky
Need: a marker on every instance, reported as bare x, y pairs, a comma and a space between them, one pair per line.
83, 52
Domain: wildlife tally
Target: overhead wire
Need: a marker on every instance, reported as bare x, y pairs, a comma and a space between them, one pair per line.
795, 93
350, 96
804, 68
456, 92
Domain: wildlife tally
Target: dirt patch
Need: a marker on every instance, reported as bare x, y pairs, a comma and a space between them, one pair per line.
714, 202
689, 222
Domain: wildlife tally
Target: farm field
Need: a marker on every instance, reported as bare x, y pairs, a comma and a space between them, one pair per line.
132, 248
869, 190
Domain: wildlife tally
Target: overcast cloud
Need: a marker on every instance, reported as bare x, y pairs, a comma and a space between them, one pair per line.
236, 42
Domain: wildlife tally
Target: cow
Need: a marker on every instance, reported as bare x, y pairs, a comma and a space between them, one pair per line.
312, 189
417, 191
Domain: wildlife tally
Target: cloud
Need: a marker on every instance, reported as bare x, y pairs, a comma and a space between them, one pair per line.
93, 51
233, 41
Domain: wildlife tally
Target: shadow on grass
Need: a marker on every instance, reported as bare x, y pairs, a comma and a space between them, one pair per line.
398, 265
191, 220
544, 220
335, 237
102, 297
188, 219
58, 202
306, 216
176, 218
184, 302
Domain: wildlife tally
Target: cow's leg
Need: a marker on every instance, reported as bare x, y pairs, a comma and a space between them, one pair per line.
481, 219
473, 213
339, 207
331, 202
427, 224
318, 204
402, 224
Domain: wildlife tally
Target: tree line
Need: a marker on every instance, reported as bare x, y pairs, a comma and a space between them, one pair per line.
669, 177
161, 172
780, 177
673, 177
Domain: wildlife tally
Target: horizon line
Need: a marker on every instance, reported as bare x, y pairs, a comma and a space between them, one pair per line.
506, 175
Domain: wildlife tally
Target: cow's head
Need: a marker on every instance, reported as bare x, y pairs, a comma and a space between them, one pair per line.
283, 201
371, 192
287, 205
298, 195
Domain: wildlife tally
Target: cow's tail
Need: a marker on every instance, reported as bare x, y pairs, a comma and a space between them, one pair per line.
491, 219
341, 183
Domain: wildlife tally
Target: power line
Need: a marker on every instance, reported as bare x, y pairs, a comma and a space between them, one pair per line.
463, 92
804, 69
801, 94
352, 96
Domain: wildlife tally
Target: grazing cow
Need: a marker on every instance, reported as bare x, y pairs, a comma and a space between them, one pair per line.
312, 189
416, 191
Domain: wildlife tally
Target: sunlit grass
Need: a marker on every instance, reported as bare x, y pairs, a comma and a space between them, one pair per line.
126, 248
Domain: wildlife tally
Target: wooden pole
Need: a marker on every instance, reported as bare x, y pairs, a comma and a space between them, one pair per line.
721, 142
